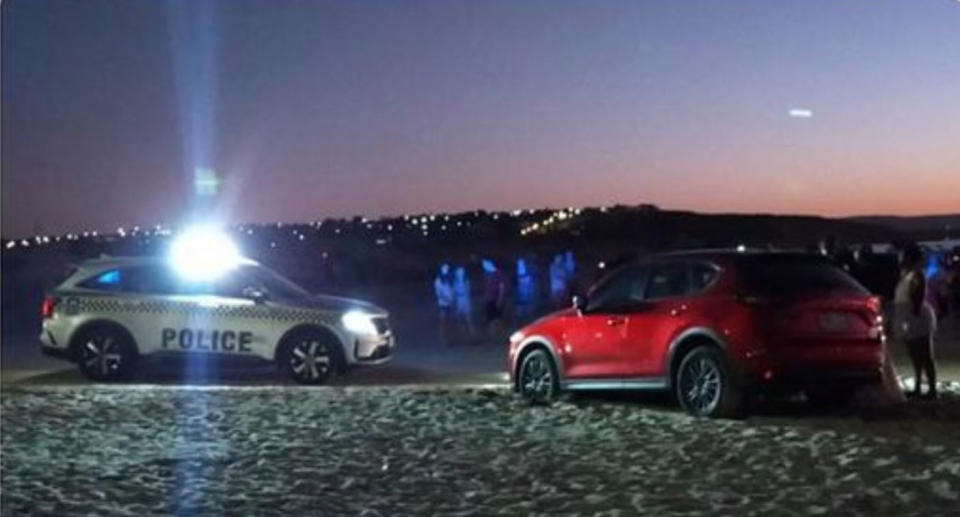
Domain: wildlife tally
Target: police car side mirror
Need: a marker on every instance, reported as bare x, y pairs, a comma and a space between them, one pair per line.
252, 293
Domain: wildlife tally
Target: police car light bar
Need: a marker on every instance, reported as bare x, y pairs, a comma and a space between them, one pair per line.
203, 253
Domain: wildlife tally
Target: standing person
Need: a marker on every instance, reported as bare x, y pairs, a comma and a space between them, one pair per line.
462, 311
570, 266
524, 292
827, 246
443, 290
938, 294
830, 248
953, 285
558, 282
494, 296
864, 269
914, 319
570, 263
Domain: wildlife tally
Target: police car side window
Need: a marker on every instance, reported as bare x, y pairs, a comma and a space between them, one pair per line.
109, 280
232, 285
150, 280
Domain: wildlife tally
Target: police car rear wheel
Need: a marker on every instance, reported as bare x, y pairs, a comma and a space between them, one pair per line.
310, 359
105, 354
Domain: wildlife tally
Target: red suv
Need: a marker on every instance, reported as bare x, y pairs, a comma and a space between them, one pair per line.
711, 326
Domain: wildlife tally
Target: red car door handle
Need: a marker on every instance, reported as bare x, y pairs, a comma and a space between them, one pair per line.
677, 310
616, 320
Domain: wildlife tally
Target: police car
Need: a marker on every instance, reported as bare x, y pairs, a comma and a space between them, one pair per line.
112, 312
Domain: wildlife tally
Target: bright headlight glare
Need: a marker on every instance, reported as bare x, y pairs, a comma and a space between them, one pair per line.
359, 323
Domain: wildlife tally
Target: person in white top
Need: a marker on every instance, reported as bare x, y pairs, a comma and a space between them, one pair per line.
914, 319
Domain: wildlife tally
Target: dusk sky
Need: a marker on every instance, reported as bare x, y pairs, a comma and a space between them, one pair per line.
308, 109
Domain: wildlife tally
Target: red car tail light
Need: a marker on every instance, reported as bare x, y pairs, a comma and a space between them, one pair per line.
48, 305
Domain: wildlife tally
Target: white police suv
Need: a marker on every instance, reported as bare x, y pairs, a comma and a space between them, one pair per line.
112, 312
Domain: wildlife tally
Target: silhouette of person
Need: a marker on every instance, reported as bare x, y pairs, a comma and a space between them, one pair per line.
570, 265
462, 310
558, 282
494, 295
443, 290
524, 291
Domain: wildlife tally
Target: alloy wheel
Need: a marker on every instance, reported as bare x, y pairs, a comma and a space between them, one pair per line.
536, 378
102, 356
310, 361
700, 385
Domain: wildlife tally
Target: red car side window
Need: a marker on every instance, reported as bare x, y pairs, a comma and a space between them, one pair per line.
667, 280
621, 289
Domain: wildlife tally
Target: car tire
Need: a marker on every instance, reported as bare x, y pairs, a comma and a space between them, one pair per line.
705, 385
106, 353
311, 357
537, 379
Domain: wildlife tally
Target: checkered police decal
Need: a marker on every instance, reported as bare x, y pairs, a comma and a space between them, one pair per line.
103, 305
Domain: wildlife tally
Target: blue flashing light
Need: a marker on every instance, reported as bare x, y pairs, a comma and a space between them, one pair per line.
111, 277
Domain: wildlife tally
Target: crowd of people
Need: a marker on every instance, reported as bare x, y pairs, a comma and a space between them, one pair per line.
507, 295
920, 289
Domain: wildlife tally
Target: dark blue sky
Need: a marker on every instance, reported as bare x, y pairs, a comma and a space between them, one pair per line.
307, 108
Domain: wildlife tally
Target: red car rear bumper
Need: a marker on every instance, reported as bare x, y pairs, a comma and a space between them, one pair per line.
806, 363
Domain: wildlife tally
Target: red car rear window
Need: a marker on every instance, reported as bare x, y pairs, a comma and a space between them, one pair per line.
791, 275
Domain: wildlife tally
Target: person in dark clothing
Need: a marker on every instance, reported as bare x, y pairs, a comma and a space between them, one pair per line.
865, 270
494, 296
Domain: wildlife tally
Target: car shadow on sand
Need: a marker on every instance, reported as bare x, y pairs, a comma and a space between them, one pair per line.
213, 374
796, 409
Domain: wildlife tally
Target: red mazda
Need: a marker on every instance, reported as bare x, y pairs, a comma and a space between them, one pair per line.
710, 326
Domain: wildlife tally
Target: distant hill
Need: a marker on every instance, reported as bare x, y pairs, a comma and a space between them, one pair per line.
654, 229
923, 227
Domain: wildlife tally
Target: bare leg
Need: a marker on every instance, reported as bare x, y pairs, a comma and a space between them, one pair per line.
916, 358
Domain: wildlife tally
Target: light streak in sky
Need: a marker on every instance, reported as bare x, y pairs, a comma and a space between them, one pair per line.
194, 41
801, 113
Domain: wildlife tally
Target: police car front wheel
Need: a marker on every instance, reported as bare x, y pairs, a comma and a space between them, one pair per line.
105, 353
310, 358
